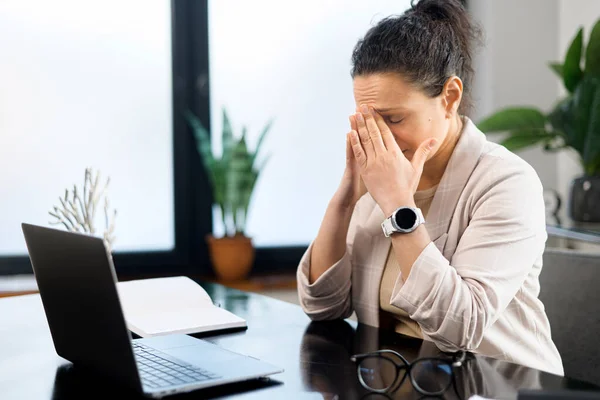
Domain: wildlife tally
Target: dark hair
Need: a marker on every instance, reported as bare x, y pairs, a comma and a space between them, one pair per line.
429, 43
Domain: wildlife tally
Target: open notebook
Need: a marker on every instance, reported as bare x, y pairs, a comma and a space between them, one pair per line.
162, 306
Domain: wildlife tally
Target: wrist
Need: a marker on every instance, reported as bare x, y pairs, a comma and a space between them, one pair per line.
392, 205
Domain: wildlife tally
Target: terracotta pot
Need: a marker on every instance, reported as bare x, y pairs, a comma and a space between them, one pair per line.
231, 257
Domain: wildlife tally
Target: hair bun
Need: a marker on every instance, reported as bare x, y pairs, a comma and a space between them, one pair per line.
439, 9
427, 44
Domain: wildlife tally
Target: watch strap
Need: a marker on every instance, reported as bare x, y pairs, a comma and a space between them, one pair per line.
389, 227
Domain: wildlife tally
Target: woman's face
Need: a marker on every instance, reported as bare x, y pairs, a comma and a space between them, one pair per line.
411, 115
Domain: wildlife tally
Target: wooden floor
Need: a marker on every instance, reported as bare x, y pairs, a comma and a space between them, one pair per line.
279, 287
289, 295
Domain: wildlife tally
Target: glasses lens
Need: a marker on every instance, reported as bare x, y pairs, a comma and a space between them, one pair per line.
432, 376
378, 373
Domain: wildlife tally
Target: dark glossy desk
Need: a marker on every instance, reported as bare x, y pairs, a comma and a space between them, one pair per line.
315, 357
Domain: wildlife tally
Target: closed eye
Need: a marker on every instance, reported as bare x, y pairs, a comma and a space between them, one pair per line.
394, 121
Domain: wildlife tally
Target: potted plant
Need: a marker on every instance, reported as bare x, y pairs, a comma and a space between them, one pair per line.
574, 123
77, 210
233, 174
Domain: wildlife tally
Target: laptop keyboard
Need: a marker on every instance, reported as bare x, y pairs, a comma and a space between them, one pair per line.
157, 371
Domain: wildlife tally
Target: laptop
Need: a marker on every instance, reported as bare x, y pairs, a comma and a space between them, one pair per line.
78, 287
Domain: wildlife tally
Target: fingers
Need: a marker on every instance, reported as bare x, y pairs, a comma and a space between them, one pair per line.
349, 153
353, 124
372, 128
422, 153
386, 134
363, 134
350, 157
357, 149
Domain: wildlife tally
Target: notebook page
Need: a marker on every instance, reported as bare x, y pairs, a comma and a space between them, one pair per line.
158, 296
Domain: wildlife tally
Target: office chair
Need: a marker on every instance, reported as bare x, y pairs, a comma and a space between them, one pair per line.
570, 291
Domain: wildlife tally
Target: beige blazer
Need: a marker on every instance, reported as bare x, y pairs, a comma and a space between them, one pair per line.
475, 286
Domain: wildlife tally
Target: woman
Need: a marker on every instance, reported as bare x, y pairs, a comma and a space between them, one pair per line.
468, 277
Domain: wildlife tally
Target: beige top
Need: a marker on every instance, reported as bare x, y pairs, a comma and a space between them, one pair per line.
475, 286
391, 315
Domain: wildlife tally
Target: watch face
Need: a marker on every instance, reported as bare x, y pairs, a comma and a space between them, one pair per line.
406, 218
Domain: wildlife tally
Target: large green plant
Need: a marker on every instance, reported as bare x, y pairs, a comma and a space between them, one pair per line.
233, 174
574, 121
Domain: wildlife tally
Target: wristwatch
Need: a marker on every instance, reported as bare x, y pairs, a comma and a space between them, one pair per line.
403, 220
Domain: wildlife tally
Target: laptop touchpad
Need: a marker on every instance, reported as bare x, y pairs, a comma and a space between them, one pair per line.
200, 354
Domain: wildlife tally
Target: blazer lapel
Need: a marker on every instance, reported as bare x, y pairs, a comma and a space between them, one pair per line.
463, 161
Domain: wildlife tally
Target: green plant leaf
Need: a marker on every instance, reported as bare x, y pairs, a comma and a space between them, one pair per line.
246, 193
593, 168
202, 137
216, 169
572, 72
573, 115
557, 68
562, 121
227, 137
261, 138
239, 174
522, 139
591, 154
592, 53
263, 163
233, 176
513, 118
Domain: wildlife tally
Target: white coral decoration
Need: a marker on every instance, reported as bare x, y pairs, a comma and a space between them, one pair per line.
78, 213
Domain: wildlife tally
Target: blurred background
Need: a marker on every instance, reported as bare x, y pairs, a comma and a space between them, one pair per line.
131, 89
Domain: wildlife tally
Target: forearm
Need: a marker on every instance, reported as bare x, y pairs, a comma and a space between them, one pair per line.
408, 247
330, 244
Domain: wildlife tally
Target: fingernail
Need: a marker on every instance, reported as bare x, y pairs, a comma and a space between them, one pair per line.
432, 143
364, 109
372, 111
359, 117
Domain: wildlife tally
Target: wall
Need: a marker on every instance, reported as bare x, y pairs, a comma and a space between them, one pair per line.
511, 68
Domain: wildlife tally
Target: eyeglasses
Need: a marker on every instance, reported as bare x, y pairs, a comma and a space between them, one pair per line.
378, 372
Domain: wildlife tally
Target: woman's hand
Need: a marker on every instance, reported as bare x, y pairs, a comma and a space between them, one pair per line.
352, 187
330, 244
389, 177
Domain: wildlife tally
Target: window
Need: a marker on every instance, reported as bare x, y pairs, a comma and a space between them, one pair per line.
289, 61
87, 87
90, 84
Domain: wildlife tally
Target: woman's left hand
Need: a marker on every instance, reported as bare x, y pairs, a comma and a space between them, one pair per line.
389, 176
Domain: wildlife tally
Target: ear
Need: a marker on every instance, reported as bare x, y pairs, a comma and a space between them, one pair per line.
452, 95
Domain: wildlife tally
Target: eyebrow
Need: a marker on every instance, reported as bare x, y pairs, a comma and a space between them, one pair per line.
383, 110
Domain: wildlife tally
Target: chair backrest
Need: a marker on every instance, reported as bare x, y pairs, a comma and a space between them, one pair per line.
570, 291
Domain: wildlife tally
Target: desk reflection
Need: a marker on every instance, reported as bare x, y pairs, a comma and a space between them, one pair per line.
327, 346
77, 383
72, 383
